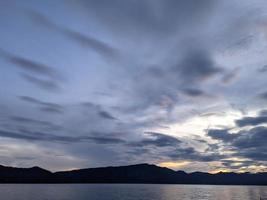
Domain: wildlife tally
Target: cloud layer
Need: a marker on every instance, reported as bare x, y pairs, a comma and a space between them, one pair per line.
96, 83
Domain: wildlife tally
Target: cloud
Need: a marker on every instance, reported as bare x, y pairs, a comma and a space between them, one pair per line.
197, 65
163, 146
230, 76
37, 123
254, 137
158, 140
98, 46
221, 134
263, 95
44, 106
236, 165
106, 115
252, 121
174, 57
245, 143
105, 140
263, 69
193, 92
45, 137
39, 74
29, 65
251, 144
45, 84
146, 17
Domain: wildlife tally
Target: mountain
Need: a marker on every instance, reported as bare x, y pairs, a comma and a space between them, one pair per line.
24, 175
141, 173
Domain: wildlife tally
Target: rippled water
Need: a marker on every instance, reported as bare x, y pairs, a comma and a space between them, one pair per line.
129, 192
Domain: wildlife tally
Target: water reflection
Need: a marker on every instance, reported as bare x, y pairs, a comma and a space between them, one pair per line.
130, 192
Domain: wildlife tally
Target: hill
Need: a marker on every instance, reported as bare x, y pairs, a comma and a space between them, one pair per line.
141, 173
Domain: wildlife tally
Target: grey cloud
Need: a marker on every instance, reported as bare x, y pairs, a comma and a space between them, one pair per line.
252, 121
159, 86
101, 112
208, 114
193, 92
146, 16
263, 95
100, 47
254, 137
25, 120
25, 158
228, 77
263, 69
106, 115
263, 113
251, 144
221, 134
189, 153
44, 106
160, 145
197, 65
158, 140
245, 143
232, 164
29, 65
45, 137
45, 77
45, 84
105, 140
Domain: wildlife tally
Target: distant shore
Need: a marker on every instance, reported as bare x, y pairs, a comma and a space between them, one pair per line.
132, 174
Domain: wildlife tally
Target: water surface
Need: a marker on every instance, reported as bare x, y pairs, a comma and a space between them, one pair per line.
129, 192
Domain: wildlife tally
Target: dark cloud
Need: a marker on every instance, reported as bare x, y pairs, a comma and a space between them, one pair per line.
193, 92
146, 17
106, 115
105, 140
38, 123
45, 137
29, 65
189, 153
245, 143
99, 110
45, 77
263, 69
100, 47
221, 134
251, 144
159, 85
158, 145
45, 84
158, 140
197, 65
251, 121
254, 137
263, 95
44, 106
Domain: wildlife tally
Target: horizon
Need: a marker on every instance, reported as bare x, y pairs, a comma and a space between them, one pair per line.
176, 83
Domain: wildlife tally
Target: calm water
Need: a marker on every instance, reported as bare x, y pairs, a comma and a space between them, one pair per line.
130, 192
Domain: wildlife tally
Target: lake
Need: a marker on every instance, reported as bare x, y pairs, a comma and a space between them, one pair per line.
129, 192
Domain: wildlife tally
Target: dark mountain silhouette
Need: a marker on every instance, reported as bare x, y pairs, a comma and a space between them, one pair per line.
141, 173
24, 175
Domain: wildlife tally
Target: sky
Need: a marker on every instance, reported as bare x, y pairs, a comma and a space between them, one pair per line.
176, 83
